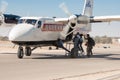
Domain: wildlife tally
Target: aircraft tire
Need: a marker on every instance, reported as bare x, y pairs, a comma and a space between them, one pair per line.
28, 51
74, 53
20, 53
50, 48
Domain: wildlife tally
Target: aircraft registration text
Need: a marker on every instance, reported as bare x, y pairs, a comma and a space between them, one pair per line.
53, 27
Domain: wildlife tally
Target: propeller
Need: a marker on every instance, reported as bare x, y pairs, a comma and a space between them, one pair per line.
3, 7
65, 9
2, 11
74, 19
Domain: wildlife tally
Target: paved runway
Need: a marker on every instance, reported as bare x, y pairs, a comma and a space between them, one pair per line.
47, 64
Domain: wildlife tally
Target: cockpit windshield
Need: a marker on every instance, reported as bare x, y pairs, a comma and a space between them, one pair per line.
28, 21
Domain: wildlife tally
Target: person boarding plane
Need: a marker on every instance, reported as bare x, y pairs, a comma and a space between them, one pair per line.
44, 31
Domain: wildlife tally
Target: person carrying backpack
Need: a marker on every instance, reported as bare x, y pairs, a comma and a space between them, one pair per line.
89, 43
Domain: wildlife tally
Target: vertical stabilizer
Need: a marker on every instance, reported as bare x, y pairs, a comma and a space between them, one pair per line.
88, 8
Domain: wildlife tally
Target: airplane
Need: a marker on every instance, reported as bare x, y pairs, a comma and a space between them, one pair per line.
7, 20
33, 32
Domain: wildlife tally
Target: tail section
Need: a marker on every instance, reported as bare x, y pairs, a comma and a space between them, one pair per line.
88, 8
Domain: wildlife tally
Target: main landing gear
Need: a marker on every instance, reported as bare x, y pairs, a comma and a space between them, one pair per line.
74, 53
20, 52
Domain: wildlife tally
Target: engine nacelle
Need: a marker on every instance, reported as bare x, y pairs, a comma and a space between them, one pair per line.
72, 20
83, 20
78, 20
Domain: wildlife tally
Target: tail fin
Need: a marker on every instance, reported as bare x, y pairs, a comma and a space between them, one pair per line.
88, 8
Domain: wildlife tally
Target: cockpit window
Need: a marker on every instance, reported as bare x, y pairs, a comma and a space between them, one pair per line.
21, 21
28, 21
39, 24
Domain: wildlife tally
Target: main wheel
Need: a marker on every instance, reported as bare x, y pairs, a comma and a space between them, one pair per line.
74, 53
50, 48
20, 53
28, 51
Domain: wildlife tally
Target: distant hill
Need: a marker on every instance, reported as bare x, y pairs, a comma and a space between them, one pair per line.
3, 38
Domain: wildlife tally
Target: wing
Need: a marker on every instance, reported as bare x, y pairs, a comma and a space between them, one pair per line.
62, 20
104, 18
93, 19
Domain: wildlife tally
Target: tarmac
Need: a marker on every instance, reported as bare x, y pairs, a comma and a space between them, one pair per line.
45, 64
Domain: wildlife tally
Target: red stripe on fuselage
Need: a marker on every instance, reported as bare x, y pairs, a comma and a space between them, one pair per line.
53, 27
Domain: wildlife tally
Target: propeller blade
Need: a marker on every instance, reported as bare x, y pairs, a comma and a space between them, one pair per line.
3, 7
65, 9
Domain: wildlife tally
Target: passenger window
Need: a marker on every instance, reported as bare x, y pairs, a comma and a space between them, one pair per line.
39, 24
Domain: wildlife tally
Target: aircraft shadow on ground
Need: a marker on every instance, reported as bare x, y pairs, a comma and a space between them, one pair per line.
7, 53
50, 56
109, 56
57, 56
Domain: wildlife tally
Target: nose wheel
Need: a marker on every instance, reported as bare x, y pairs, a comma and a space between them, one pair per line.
28, 51
20, 53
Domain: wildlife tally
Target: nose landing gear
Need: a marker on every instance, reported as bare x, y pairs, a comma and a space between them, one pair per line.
20, 53
28, 51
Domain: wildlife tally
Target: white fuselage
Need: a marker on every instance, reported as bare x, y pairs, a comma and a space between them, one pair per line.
32, 29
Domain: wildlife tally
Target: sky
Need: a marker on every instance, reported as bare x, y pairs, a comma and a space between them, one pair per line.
50, 8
